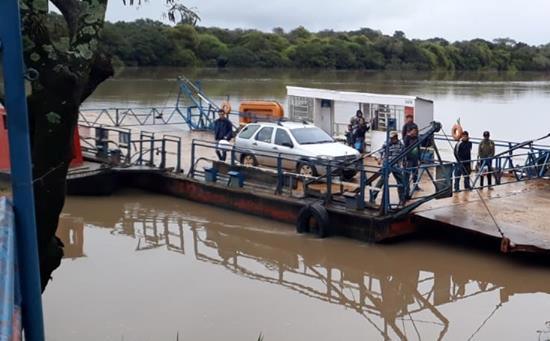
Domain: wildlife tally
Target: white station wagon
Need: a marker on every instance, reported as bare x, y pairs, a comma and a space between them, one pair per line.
304, 147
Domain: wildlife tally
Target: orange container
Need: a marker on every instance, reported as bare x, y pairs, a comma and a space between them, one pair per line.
251, 111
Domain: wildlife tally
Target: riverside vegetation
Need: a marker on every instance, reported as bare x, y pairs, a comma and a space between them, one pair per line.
152, 43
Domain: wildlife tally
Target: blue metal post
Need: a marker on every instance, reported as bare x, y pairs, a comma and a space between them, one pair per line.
163, 154
362, 181
178, 164
192, 170
329, 183
280, 175
21, 174
385, 175
386, 168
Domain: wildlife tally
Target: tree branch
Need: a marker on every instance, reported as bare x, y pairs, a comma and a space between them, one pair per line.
101, 69
86, 41
70, 10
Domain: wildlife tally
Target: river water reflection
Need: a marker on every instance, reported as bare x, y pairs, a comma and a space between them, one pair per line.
145, 267
140, 266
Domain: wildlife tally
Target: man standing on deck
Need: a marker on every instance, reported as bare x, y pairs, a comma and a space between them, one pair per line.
361, 129
463, 154
354, 120
409, 124
485, 153
223, 131
395, 148
412, 160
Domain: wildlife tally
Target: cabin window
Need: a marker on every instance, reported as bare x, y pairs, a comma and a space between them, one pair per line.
381, 114
300, 108
4, 122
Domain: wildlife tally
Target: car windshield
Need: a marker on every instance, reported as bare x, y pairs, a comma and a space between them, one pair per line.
310, 135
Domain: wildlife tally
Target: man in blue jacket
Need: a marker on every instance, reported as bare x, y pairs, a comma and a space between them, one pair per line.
223, 130
463, 154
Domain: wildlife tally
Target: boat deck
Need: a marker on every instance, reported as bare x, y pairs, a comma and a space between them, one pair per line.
514, 213
518, 213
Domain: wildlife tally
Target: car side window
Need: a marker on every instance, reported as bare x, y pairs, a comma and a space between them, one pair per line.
248, 131
264, 135
282, 138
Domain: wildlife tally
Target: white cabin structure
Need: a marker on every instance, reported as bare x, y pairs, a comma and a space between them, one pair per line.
332, 110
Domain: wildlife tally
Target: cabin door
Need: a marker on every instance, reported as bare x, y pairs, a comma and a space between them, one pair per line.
325, 116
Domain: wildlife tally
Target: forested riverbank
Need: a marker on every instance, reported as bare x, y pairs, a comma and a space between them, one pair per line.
152, 43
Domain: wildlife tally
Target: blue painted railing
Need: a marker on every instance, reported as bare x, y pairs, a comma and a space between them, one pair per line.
21, 170
10, 299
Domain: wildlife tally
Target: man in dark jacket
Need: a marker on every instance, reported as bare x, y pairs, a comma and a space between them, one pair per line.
463, 154
223, 130
412, 160
408, 126
361, 129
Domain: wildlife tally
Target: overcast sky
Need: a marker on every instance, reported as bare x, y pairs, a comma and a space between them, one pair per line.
526, 20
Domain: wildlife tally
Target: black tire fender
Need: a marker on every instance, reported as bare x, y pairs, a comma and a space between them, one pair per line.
319, 213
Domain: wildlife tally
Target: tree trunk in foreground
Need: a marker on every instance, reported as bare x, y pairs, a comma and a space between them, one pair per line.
67, 75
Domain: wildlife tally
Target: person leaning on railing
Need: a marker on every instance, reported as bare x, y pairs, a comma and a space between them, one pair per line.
485, 153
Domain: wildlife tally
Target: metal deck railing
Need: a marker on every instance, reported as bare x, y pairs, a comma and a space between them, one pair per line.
524, 161
124, 147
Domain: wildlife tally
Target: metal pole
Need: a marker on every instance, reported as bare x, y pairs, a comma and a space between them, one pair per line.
21, 174
192, 170
329, 183
385, 175
280, 175
163, 155
140, 160
362, 181
152, 151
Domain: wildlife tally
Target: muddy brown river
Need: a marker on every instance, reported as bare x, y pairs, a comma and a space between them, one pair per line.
140, 266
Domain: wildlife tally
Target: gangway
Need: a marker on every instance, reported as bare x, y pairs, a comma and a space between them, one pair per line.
200, 109
193, 108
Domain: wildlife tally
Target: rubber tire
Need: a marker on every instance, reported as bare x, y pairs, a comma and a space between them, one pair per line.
319, 213
254, 163
301, 163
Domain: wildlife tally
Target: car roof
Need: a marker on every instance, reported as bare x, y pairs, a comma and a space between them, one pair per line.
286, 124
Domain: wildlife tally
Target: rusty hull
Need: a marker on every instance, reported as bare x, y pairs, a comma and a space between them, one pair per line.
345, 222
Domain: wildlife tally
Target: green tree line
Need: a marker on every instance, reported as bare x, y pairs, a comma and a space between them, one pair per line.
152, 43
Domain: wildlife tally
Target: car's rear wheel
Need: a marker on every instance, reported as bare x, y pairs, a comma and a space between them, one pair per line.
249, 160
306, 169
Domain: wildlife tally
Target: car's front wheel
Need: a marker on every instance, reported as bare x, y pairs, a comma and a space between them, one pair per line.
306, 169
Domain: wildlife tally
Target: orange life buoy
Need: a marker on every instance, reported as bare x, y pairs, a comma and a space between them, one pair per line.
226, 107
456, 131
